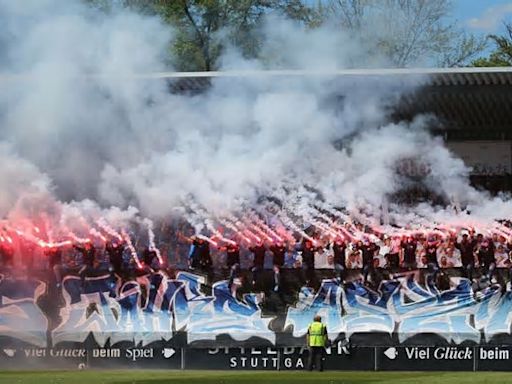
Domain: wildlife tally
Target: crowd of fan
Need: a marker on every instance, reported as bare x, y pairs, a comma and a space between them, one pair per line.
369, 259
373, 259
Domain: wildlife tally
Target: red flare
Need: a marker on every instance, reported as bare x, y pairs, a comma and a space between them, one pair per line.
209, 240
261, 232
228, 241
94, 232
257, 238
132, 249
245, 238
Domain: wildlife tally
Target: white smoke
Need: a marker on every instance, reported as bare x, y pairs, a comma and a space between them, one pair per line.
72, 110
18, 175
104, 137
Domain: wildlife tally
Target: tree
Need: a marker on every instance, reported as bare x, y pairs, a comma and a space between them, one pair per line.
403, 32
502, 55
406, 32
206, 27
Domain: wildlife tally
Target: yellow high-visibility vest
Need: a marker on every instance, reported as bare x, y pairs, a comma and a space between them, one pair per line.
317, 334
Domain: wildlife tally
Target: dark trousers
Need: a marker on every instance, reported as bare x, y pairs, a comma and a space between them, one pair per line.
310, 273
84, 271
316, 358
257, 271
394, 261
469, 268
234, 271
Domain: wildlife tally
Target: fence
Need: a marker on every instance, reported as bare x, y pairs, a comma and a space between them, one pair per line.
383, 358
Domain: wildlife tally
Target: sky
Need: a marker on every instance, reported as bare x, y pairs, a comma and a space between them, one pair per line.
483, 16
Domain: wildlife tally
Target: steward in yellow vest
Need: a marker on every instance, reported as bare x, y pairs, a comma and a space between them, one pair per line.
317, 341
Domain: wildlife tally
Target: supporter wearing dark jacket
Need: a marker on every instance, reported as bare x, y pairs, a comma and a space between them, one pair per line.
54, 255
115, 255
339, 248
233, 255
88, 259
258, 262
467, 253
431, 251
485, 253
148, 257
278, 252
409, 253
200, 255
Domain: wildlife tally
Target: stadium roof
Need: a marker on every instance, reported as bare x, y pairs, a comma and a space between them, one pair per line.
466, 100
426, 76
431, 76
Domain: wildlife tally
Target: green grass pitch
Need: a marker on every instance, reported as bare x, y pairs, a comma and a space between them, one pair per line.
237, 377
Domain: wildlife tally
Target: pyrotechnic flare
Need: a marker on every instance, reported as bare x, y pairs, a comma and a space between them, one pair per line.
261, 232
39, 242
77, 239
290, 224
208, 221
94, 232
255, 237
205, 238
259, 225
131, 248
242, 229
102, 223
235, 229
151, 239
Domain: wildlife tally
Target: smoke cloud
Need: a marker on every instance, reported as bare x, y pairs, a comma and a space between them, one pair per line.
77, 123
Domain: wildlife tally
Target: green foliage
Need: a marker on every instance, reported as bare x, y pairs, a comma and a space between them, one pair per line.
502, 55
402, 32
406, 32
206, 27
